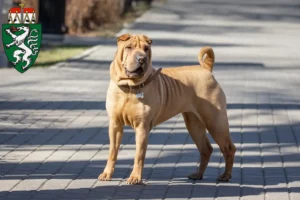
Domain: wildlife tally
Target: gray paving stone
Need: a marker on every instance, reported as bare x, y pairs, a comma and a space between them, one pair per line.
6, 185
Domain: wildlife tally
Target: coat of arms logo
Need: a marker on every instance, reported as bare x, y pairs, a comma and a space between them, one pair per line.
21, 37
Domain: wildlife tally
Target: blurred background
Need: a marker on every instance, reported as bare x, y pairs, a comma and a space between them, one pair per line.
85, 18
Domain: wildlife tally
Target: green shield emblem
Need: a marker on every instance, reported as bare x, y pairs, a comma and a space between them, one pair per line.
21, 43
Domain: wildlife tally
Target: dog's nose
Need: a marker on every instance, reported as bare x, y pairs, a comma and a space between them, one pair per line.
141, 59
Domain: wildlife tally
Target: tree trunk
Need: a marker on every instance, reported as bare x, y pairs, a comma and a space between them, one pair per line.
127, 6
148, 2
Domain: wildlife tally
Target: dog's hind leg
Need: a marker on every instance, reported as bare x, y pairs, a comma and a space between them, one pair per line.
219, 130
197, 131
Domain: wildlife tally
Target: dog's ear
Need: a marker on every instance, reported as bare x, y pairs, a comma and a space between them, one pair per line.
124, 37
147, 39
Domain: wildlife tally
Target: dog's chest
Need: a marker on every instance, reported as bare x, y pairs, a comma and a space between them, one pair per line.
127, 108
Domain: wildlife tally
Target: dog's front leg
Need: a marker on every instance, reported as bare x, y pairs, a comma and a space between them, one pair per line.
115, 137
141, 138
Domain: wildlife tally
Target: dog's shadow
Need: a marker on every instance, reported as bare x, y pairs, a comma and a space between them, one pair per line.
179, 189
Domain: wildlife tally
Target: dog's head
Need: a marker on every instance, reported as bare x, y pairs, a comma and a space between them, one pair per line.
133, 57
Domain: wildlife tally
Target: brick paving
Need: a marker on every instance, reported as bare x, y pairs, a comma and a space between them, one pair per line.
53, 123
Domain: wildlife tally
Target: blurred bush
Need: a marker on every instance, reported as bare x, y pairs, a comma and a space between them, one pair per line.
86, 15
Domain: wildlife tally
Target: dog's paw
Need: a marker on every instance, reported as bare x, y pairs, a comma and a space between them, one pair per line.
195, 176
224, 177
104, 177
134, 180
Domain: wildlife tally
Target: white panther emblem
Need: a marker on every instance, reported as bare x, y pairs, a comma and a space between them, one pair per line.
19, 41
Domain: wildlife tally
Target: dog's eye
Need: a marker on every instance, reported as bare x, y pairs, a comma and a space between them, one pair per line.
129, 47
146, 48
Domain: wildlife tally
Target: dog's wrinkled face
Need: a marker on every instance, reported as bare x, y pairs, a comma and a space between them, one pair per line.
135, 55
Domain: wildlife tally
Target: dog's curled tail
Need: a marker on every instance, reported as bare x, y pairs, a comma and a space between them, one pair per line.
208, 61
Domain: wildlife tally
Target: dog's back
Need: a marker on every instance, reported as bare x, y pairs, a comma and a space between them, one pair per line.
190, 88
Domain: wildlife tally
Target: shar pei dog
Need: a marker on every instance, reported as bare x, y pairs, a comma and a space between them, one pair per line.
142, 97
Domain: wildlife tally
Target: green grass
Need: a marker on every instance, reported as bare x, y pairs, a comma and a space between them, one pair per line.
53, 55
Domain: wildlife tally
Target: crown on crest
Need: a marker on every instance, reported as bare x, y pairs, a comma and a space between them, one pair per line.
21, 15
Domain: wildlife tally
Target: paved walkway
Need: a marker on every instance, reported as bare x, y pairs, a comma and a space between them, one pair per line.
53, 124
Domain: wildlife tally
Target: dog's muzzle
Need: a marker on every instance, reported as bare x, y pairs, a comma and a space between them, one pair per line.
136, 73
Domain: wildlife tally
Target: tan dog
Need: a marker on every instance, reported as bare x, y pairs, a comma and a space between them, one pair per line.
142, 97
